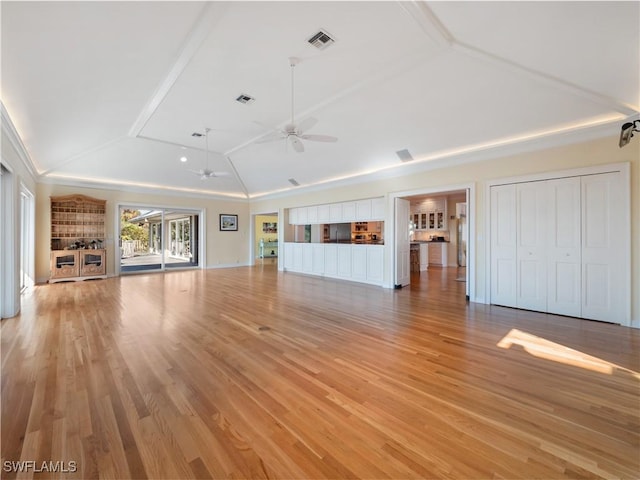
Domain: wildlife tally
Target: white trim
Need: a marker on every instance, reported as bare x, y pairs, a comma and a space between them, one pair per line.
120, 186
389, 237
454, 158
16, 142
623, 168
209, 15
556, 82
9, 258
229, 265
29, 242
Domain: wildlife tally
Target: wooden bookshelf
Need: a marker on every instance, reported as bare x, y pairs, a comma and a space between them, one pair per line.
77, 238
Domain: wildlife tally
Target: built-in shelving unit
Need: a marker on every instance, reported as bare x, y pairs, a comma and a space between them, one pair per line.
77, 236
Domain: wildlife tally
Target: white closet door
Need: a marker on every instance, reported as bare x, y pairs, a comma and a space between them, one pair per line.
531, 252
564, 250
602, 248
503, 245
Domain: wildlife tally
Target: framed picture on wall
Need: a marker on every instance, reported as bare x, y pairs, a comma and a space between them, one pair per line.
269, 227
228, 223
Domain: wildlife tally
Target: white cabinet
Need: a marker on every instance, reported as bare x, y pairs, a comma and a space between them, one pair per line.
424, 256
303, 216
331, 260
349, 212
419, 220
293, 216
324, 214
375, 263
318, 261
359, 262
430, 214
377, 208
297, 257
307, 257
288, 256
335, 213
363, 210
344, 261
312, 214
356, 211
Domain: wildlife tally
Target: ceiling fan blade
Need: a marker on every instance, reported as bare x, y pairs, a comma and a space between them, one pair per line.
306, 124
297, 145
319, 138
212, 174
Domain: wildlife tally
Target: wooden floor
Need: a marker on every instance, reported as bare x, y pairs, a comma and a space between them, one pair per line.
251, 373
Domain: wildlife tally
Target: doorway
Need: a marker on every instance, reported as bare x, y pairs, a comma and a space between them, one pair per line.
439, 223
158, 238
27, 238
265, 238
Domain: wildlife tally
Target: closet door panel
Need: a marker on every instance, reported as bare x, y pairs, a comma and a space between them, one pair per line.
563, 247
503, 245
531, 268
602, 248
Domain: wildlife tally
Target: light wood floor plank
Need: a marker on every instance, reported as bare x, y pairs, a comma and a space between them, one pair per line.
252, 373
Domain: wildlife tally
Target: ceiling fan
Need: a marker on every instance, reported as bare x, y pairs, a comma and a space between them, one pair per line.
291, 132
205, 173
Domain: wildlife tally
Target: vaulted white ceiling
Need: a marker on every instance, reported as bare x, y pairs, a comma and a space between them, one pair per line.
111, 92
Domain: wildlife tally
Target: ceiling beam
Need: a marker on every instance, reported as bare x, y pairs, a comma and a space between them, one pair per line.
209, 16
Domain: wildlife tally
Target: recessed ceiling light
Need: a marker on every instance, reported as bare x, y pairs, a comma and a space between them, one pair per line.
183, 159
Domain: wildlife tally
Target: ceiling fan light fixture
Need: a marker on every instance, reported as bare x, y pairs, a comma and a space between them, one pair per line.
294, 133
205, 172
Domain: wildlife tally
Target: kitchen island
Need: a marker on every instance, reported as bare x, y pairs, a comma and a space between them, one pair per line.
425, 253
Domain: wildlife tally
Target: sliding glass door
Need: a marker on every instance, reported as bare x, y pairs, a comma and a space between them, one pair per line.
158, 238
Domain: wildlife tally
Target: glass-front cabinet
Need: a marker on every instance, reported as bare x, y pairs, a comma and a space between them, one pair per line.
430, 214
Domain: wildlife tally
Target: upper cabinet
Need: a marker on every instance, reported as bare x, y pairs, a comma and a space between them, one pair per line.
370, 209
430, 214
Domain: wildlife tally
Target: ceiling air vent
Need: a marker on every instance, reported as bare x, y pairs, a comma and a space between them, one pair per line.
404, 155
321, 40
244, 98
293, 182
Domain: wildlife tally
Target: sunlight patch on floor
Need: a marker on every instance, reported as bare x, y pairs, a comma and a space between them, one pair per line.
542, 348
